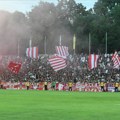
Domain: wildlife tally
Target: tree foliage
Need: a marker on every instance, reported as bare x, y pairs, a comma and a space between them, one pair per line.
47, 21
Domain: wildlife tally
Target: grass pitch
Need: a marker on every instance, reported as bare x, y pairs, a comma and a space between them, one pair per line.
55, 105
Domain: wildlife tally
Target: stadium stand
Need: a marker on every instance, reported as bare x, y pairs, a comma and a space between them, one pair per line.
37, 71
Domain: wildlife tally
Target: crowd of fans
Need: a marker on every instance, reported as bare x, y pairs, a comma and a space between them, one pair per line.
39, 70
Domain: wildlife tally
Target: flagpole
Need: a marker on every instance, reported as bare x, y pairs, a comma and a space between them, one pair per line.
74, 43
45, 46
30, 43
106, 43
74, 51
89, 43
18, 49
60, 41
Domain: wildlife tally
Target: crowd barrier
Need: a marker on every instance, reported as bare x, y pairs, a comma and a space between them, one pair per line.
87, 87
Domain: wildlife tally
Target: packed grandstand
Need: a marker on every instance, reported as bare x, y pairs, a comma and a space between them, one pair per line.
36, 73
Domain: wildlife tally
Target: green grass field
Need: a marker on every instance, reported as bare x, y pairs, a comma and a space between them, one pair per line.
55, 105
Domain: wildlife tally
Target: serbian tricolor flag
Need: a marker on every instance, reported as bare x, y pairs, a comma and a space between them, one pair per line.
32, 52
92, 61
14, 67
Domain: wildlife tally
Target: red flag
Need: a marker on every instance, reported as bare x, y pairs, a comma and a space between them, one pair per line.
57, 62
14, 67
92, 61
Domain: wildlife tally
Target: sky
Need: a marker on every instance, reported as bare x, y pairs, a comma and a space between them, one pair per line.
26, 5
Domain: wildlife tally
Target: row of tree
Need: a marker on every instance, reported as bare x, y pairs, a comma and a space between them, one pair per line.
47, 21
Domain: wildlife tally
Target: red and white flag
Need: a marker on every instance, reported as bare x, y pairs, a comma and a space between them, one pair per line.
57, 62
92, 61
14, 67
32, 52
116, 60
62, 51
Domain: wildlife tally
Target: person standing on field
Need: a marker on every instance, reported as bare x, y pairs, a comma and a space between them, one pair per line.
1, 84
116, 86
28, 85
20, 84
102, 86
70, 84
45, 85
53, 84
